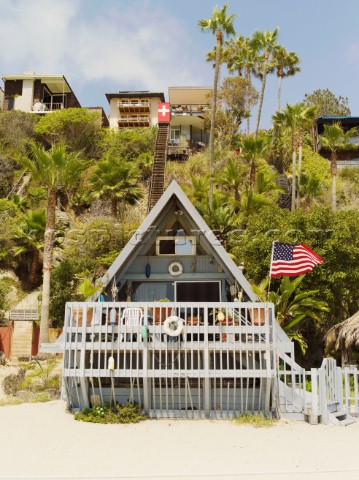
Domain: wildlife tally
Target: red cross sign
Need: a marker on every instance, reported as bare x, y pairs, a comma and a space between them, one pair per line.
164, 112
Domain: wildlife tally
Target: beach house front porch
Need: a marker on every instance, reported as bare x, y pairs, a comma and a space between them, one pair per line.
173, 359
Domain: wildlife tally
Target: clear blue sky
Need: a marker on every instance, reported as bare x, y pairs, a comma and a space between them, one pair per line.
111, 45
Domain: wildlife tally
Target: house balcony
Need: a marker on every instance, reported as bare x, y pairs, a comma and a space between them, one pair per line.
189, 110
138, 106
46, 107
134, 121
169, 357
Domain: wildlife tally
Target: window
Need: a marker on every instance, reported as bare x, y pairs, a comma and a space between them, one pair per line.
11, 104
176, 246
175, 135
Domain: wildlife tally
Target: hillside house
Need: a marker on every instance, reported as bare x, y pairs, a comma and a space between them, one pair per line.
346, 158
40, 94
130, 109
187, 131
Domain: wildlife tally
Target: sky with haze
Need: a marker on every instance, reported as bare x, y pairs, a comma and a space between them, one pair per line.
110, 45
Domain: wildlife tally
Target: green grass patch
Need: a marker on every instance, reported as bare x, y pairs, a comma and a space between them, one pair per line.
121, 413
256, 420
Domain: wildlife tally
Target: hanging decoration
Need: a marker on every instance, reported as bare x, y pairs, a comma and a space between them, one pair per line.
113, 315
111, 363
175, 269
173, 326
114, 290
148, 270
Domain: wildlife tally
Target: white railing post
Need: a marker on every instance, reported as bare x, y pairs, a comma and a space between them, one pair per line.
356, 392
315, 398
323, 400
346, 403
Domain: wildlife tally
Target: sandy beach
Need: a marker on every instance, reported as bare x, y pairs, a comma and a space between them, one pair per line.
44, 441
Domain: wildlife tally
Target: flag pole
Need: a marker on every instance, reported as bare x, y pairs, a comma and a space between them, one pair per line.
270, 268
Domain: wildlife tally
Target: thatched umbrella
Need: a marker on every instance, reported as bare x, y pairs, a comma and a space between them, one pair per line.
344, 336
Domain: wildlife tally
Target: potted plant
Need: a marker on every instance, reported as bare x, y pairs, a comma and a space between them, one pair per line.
160, 314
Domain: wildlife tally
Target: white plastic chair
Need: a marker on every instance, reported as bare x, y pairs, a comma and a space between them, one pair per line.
131, 317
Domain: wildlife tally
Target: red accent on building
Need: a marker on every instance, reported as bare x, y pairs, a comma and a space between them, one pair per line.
164, 112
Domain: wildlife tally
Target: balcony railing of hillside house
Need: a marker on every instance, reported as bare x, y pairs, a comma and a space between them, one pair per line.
127, 105
193, 109
134, 120
46, 107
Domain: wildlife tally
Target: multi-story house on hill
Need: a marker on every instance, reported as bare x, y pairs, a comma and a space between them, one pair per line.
133, 108
187, 131
40, 94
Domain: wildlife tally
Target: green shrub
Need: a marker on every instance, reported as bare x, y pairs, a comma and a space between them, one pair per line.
121, 413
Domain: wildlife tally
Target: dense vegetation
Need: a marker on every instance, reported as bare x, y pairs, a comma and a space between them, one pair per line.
87, 187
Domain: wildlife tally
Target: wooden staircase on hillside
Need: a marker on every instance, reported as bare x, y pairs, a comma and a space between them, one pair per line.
159, 164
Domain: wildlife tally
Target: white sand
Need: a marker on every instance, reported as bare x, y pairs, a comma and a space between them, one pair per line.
44, 441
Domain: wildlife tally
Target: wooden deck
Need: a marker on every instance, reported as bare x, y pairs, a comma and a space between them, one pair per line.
211, 369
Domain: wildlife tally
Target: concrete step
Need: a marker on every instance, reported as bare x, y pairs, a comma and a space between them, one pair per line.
341, 418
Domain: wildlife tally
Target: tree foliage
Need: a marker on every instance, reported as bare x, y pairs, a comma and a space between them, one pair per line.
77, 128
327, 104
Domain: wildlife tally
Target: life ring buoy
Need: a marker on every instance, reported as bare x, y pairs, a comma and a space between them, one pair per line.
173, 326
175, 269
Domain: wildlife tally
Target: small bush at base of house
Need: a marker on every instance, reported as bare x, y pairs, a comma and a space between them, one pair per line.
121, 413
255, 420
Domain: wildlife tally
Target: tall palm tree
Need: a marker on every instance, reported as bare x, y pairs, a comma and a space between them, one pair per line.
29, 239
219, 24
117, 181
296, 119
241, 57
335, 139
286, 65
54, 169
265, 43
252, 150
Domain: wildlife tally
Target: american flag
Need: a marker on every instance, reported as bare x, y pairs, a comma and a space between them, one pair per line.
292, 260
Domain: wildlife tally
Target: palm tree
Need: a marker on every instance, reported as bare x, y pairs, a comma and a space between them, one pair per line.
264, 43
252, 151
296, 119
335, 139
231, 178
291, 307
219, 24
54, 169
240, 56
117, 181
29, 238
286, 65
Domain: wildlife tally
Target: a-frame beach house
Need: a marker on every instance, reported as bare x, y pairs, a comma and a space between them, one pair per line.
177, 329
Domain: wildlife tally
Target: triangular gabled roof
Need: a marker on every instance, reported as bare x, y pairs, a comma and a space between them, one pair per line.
174, 190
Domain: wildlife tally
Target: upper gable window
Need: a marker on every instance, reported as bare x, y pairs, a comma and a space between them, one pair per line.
170, 246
